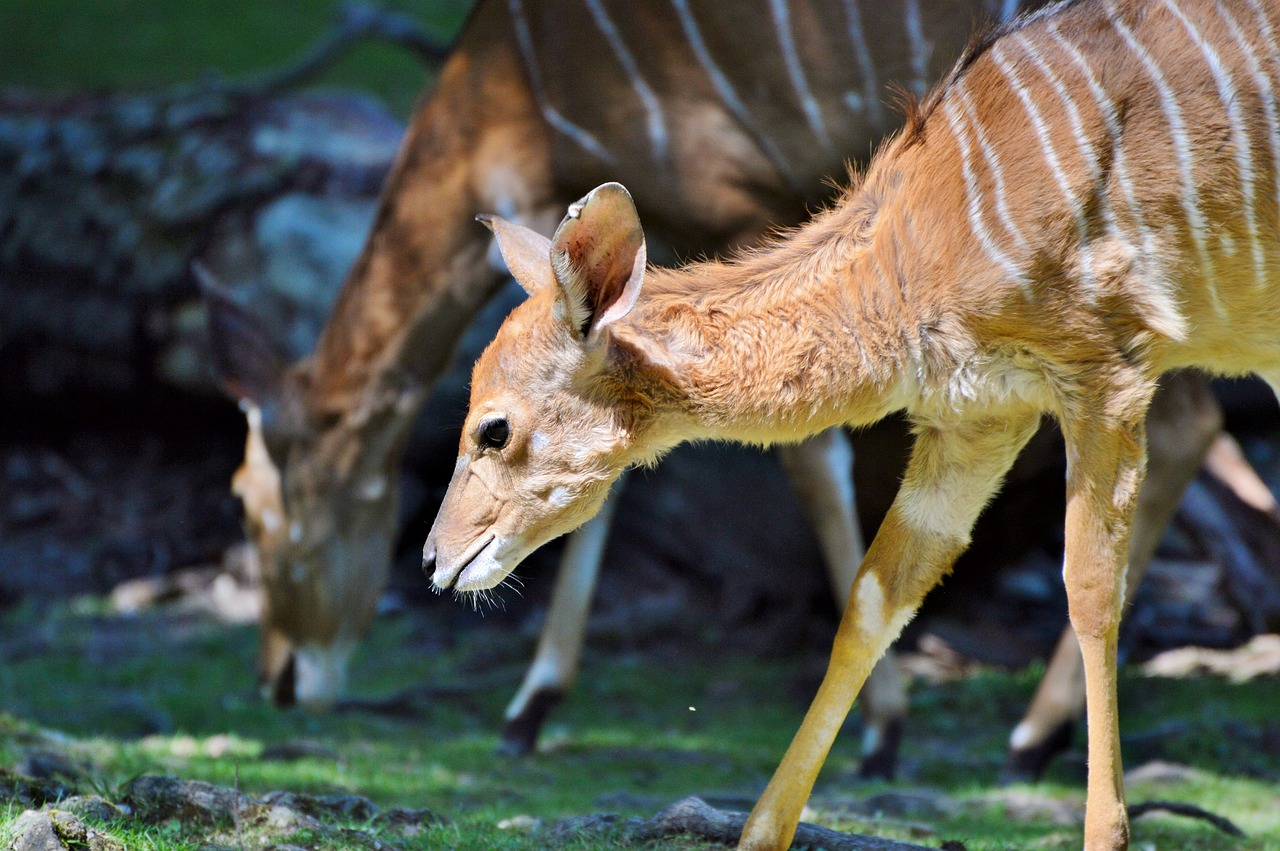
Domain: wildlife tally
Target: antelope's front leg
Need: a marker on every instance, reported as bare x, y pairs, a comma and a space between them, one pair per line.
821, 474
1105, 465
954, 469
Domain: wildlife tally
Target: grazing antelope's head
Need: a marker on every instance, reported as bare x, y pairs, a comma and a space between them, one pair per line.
550, 425
319, 500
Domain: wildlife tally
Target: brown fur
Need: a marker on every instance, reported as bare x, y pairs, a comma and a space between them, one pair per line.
904, 297
481, 143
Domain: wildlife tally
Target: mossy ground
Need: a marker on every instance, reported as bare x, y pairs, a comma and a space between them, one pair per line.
643, 729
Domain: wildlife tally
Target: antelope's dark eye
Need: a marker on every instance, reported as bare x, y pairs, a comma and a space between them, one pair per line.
494, 433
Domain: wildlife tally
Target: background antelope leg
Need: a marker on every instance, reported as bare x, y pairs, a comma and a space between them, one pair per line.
555, 665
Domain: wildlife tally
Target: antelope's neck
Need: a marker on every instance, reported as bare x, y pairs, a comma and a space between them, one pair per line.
777, 346
424, 271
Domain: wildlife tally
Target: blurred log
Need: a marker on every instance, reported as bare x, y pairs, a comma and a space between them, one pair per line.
1259, 658
105, 199
1245, 541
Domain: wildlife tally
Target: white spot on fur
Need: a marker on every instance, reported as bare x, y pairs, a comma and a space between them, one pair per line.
559, 496
408, 399
374, 488
944, 512
540, 441
271, 520
871, 605
880, 631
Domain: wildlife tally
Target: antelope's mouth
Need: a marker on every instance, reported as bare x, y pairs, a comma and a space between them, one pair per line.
471, 568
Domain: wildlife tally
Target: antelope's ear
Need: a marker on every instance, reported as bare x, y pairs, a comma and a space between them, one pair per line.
245, 359
598, 255
526, 253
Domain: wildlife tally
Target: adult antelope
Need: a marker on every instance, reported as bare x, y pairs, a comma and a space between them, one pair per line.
728, 116
1088, 201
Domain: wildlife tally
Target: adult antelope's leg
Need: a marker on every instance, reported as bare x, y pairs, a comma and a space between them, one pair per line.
1105, 461
555, 665
953, 471
1226, 463
276, 672
1183, 421
820, 470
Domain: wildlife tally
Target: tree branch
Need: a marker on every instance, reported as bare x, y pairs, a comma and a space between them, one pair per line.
1189, 810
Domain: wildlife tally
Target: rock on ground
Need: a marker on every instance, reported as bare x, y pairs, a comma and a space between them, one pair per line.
56, 830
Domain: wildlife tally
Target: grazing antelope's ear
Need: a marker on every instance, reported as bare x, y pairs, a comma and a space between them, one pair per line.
527, 254
245, 359
598, 256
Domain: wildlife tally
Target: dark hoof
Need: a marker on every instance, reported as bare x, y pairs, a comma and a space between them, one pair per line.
283, 689
1027, 765
882, 763
520, 735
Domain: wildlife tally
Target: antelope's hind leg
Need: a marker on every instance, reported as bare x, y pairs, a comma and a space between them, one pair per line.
1106, 456
954, 469
1183, 422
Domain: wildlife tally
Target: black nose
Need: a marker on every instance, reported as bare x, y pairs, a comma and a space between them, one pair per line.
429, 558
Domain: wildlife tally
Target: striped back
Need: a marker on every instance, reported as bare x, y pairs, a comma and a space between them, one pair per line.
785, 91
1133, 142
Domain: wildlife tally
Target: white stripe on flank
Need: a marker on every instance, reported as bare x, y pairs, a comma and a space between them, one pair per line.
1051, 157
857, 38
724, 88
1181, 147
1244, 154
655, 122
1073, 111
795, 71
1264, 24
1171, 323
993, 165
919, 50
974, 196
552, 115
1269, 96
1114, 131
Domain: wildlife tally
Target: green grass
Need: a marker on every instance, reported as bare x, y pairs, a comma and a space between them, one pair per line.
71, 45
625, 741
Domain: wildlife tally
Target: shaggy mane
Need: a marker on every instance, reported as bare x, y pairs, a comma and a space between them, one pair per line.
917, 111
